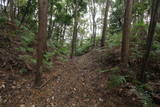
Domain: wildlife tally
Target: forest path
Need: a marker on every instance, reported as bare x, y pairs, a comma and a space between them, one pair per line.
75, 83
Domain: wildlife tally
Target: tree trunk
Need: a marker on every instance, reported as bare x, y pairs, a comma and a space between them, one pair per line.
94, 22
74, 37
151, 31
41, 38
126, 34
50, 22
26, 11
105, 24
159, 14
63, 35
142, 15
11, 9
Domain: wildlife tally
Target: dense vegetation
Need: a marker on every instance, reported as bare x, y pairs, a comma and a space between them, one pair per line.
123, 36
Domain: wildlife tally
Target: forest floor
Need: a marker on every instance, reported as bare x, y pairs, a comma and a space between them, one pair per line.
75, 83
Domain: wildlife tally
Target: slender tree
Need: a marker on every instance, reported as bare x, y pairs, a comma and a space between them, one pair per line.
126, 34
26, 11
92, 7
41, 38
50, 27
105, 24
74, 36
11, 9
151, 31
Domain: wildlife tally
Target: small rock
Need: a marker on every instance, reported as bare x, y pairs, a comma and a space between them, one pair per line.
18, 86
48, 99
52, 105
100, 99
14, 82
2, 86
33, 106
73, 105
86, 100
5, 101
133, 99
22, 105
13, 87
52, 97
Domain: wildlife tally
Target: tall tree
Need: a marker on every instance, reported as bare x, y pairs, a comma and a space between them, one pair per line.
11, 9
74, 36
126, 34
92, 7
41, 38
26, 11
105, 24
151, 31
116, 17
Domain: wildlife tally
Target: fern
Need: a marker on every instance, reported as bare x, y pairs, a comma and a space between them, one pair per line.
145, 96
116, 80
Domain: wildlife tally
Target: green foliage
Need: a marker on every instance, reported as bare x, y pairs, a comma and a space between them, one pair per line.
63, 59
47, 65
136, 53
23, 71
21, 2
112, 70
3, 19
114, 40
28, 59
116, 80
140, 8
145, 96
83, 49
27, 39
139, 33
116, 17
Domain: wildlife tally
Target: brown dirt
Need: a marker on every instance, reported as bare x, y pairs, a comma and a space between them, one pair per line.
75, 83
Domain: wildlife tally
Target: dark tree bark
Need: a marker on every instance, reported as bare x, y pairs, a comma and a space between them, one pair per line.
41, 38
11, 9
26, 11
126, 34
159, 14
104, 24
74, 37
151, 31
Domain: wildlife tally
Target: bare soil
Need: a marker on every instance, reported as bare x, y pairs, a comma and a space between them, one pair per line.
75, 83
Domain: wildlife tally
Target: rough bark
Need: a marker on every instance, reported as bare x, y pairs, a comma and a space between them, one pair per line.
126, 34
151, 31
74, 37
104, 24
41, 38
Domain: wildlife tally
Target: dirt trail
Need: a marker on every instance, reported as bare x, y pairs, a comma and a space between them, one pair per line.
75, 85
72, 84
